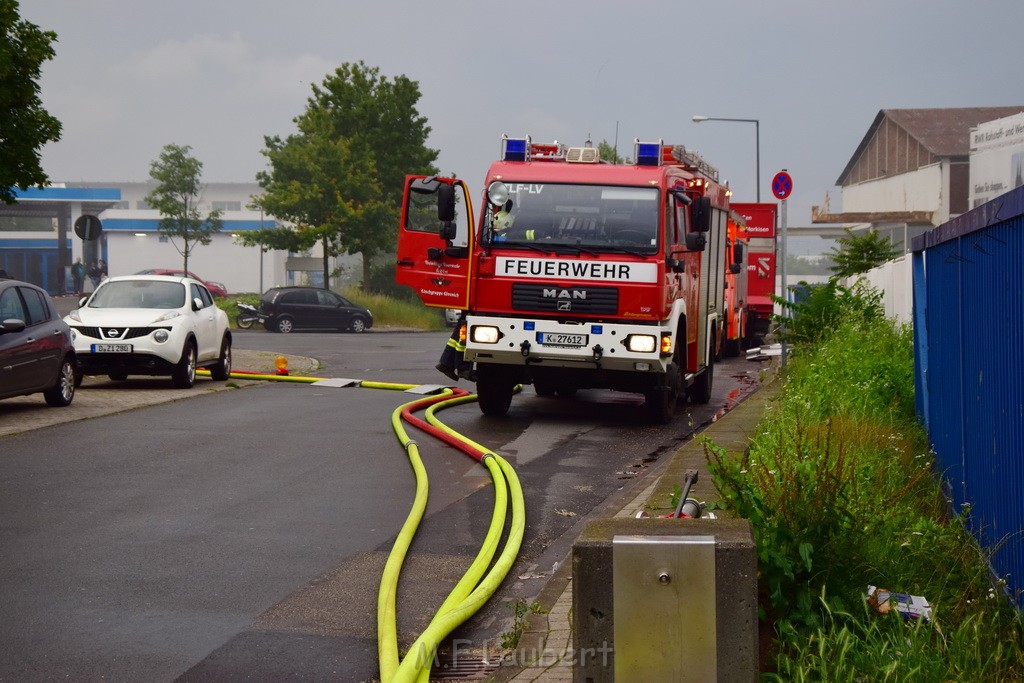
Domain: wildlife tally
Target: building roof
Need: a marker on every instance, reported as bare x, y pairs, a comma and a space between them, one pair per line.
52, 201
943, 132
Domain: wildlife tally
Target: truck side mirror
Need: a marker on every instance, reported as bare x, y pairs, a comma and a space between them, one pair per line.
696, 241
735, 268
737, 253
676, 265
445, 204
447, 231
702, 214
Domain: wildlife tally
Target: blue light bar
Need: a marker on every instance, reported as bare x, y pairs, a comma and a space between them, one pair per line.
515, 149
529, 325
596, 329
647, 153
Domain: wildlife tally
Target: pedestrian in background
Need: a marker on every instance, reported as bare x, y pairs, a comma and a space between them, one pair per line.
78, 276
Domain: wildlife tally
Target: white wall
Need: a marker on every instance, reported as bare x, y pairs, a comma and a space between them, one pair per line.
919, 190
895, 280
223, 260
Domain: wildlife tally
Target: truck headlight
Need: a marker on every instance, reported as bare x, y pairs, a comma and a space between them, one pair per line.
642, 343
484, 334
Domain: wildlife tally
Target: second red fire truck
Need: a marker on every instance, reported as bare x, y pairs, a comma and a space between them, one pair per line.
579, 273
761, 234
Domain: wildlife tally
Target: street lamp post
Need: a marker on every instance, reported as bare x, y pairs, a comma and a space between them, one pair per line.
757, 140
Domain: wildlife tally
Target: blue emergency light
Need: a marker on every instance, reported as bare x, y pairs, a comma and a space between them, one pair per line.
647, 153
529, 325
515, 149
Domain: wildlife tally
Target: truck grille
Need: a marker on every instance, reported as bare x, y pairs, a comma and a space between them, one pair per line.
553, 299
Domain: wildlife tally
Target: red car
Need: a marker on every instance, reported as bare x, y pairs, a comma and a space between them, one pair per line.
216, 288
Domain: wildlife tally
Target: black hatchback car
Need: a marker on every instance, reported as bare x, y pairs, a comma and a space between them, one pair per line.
36, 352
284, 309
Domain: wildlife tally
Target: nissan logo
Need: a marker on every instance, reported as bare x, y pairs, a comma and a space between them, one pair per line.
113, 334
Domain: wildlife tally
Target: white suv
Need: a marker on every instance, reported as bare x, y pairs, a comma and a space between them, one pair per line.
151, 325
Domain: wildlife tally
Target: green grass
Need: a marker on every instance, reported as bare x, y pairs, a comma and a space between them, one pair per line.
387, 311
840, 489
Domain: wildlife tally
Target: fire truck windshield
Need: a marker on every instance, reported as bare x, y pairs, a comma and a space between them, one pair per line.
588, 217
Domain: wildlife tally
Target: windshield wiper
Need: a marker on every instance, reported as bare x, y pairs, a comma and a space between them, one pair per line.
516, 243
623, 250
577, 248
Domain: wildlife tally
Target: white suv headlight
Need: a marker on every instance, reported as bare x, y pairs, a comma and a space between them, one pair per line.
160, 336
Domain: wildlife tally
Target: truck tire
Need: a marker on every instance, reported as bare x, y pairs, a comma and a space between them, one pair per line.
544, 388
494, 391
661, 402
731, 348
700, 390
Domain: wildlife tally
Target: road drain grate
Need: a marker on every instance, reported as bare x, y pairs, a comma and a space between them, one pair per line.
465, 668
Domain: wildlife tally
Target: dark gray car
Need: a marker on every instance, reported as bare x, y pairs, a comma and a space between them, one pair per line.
36, 353
290, 308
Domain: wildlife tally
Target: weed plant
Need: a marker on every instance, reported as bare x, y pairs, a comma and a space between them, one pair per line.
839, 488
520, 609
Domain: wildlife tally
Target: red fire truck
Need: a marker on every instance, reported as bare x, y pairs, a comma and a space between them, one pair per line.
760, 222
579, 273
735, 329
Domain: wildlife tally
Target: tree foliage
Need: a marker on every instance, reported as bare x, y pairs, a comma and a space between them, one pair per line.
819, 308
609, 153
339, 179
25, 125
177, 196
860, 253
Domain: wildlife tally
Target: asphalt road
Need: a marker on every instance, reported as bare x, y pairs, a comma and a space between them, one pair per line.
241, 534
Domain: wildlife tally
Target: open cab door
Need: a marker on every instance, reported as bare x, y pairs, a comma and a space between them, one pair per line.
435, 241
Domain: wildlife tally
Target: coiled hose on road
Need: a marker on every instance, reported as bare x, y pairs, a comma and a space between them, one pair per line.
482, 578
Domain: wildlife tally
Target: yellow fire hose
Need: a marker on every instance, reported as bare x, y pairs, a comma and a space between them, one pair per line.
478, 583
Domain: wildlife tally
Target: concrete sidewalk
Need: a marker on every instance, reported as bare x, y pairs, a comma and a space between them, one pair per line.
100, 395
545, 652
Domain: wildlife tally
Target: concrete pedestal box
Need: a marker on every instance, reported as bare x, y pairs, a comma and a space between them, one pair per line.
665, 600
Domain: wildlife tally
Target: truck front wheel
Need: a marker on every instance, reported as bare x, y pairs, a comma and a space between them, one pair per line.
494, 390
700, 390
661, 402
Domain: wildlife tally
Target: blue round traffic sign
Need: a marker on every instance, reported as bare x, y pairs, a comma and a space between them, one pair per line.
782, 185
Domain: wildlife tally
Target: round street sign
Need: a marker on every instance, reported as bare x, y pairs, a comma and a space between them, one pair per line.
88, 227
782, 185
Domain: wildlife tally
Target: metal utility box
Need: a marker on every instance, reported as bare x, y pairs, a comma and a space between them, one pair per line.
665, 617
664, 600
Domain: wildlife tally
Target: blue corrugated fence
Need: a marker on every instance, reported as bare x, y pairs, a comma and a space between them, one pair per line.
969, 368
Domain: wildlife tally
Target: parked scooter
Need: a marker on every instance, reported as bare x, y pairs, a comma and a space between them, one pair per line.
247, 315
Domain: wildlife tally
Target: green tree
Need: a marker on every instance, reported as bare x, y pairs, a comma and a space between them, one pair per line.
25, 125
177, 196
860, 253
322, 186
362, 134
608, 153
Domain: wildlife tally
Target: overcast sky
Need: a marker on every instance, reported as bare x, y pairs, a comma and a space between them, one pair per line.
131, 76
